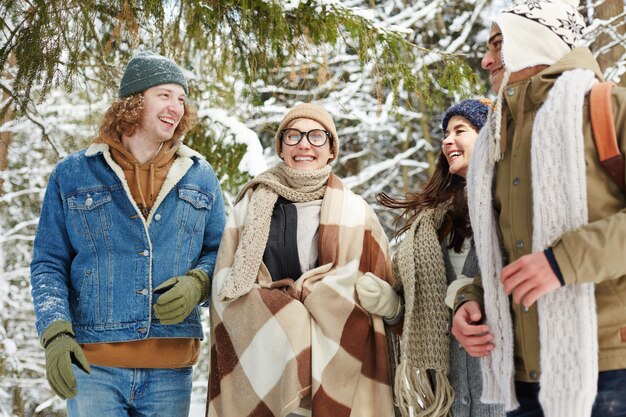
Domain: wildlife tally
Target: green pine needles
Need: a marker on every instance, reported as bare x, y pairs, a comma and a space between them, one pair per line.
46, 43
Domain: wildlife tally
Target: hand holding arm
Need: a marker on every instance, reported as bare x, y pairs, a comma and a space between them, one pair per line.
475, 338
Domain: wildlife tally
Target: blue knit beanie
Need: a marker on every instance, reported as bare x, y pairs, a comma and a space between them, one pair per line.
474, 111
148, 69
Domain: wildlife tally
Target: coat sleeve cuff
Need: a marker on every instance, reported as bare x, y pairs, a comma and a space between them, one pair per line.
454, 288
205, 285
568, 273
55, 329
554, 265
470, 292
392, 321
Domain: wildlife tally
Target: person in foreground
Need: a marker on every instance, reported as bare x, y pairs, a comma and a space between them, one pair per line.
549, 227
288, 336
434, 376
124, 252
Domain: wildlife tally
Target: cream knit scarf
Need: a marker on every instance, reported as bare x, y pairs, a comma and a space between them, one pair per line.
567, 316
425, 344
292, 184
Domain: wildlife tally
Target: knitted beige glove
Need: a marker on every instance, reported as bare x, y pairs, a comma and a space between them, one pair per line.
377, 297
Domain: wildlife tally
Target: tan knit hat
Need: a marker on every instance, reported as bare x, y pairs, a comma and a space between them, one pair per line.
313, 112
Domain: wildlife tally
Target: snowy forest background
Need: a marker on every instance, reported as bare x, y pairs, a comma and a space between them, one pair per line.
385, 69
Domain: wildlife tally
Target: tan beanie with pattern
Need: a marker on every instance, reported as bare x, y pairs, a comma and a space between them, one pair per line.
313, 112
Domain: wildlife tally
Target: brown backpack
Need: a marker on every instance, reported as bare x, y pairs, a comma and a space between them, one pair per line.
604, 133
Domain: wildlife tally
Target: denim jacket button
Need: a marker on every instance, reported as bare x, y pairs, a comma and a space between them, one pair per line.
142, 330
143, 292
89, 201
145, 252
157, 217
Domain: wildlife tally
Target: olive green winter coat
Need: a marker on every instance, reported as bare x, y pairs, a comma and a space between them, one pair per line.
595, 252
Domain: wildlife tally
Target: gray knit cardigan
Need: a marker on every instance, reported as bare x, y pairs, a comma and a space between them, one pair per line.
465, 375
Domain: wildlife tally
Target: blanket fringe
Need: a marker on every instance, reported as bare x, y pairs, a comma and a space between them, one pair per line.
415, 396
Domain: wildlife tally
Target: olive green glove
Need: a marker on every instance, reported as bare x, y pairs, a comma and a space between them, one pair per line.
180, 295
61, 351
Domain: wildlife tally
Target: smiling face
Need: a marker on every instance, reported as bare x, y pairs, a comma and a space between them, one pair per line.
492, 61
163, 107
305, 156
458, 144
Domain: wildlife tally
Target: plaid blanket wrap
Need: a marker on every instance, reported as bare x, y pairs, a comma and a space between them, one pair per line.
305, 344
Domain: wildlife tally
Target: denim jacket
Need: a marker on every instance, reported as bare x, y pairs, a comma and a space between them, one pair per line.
97, 260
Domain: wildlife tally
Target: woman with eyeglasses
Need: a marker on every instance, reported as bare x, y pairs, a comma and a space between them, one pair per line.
288, 335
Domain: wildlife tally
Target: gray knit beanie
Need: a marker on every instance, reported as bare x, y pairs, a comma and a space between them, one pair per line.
147, 69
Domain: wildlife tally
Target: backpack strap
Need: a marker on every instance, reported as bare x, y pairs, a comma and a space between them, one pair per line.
604, 133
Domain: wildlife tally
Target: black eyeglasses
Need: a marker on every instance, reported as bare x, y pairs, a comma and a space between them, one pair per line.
316, 137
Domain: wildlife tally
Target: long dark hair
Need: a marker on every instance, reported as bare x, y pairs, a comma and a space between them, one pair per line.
440, 188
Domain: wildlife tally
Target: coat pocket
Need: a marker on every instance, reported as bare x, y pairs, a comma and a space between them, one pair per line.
90, 212
192, 214
199, 199
196, 206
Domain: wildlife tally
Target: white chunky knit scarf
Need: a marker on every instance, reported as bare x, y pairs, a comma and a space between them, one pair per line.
567, 316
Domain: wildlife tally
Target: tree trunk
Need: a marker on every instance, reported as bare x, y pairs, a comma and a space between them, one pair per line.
607, 10
18, 402
5, 137
425, 125
406, 180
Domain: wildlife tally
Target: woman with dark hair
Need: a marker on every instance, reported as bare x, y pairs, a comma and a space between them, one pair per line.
434, 375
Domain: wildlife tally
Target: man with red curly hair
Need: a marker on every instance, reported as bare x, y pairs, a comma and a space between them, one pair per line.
123, 256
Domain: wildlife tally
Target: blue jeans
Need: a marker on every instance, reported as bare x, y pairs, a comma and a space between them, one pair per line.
610, 401
134, 392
